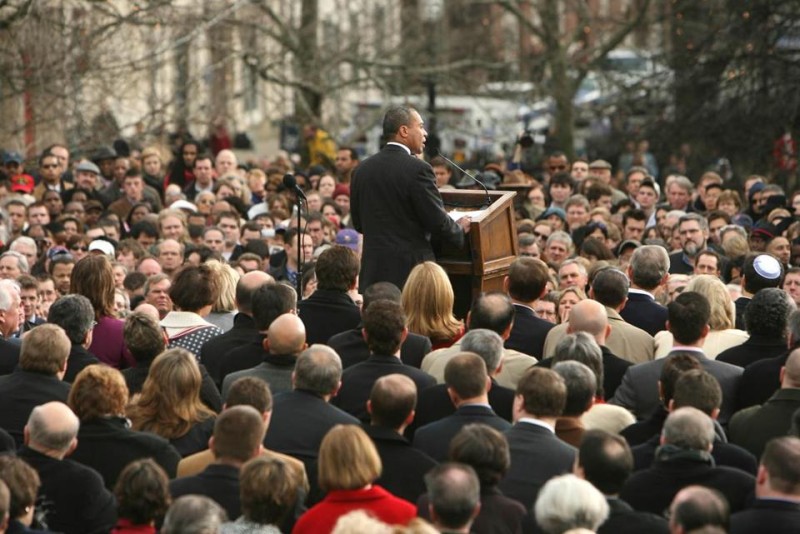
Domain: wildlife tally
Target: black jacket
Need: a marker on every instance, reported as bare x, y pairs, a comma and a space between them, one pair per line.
614, 369
528, 333
760, 380
434, 438
724, 454
21, 392
9, 356
754, 349
622, 519
352, 348
214, 351
108, 444
644, 312
767, 516
327, 313
218, 482
79, 358
72, 495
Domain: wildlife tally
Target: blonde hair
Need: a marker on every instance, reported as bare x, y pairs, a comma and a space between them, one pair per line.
170, 401
348, 459
228, 278
428, 300
723, 311
736, 246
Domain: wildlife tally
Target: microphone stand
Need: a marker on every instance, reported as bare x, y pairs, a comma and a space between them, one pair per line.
300, 235
488, 201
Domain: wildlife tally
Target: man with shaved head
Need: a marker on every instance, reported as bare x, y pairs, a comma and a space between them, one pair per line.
391, 408
73, 495
225, 163
753, 427
244, 330
286, 339
696, 507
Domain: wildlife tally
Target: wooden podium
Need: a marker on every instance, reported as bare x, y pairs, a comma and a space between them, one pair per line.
490, 248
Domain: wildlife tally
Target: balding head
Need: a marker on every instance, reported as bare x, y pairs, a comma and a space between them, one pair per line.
688, 428
245, 287
392, 401
287, 335
148, 309
52, 429
695, 507
589, 316
790, 374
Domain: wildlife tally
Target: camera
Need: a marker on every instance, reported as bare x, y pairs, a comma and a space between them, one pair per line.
526, 139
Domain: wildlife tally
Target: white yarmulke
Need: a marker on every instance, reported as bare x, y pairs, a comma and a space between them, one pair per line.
767, 267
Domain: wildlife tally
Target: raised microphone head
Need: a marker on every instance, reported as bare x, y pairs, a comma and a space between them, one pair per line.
289, 181
488, 201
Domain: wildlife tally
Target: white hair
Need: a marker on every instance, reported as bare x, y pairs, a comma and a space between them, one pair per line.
568, 502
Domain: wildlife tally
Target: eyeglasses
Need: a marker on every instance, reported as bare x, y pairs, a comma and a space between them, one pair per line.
50, 166
82, 249
540, 235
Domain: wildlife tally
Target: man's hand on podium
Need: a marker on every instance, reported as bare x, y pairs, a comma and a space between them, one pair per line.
465, 223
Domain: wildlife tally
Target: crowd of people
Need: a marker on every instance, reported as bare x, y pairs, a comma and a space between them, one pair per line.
183, 349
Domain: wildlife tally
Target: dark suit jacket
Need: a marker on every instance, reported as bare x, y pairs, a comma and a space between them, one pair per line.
395, 204
9, 356
753, 427
276, 370
639, 391
498, 513
741, 311
218, 482
357, 382
678, 265
107, 445
21, 392
644, 312
79, 358
614, 369
244, 357
434, 439
537, 455
215, 350
352, 349
652, 490
724, 454
760, 381
434, 403
754, 349
528, 333
767, 516
72, 495
641, 431
209, 394
327, 313
622, 519
404, 467
7, 443
300, 419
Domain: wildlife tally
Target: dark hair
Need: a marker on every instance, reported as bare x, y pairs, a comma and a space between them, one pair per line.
143, 337
268, 490
768, 312
271, 301
688, 315
610, 287
392, 399
484, 449
781, 458
93, 277
698, 389
238, 432
250, 391
73, 313
194, 288
561, 178
380, 291
394, 118
454, 493
493, 311
527, 279
592, 246
144, 227
466, 375
142, 492
678, 363
705, 507
384, 322
337, 269
754, 282
543, 392
244, 294
606, 459
581, 387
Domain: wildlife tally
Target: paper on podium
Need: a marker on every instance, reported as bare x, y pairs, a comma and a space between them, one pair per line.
457, 214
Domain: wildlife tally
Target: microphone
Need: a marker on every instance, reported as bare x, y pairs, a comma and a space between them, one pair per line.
289, 182
451, 162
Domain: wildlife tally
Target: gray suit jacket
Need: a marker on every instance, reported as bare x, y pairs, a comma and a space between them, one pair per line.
639, 389
275, 370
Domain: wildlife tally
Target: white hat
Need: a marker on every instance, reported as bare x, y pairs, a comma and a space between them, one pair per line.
103, 246
184, 205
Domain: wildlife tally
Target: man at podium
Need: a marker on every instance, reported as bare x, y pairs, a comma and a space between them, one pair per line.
395, 204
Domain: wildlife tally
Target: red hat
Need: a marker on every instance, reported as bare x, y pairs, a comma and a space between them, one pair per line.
22, 183
341, 189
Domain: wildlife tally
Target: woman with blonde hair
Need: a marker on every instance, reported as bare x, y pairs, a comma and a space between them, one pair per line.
224, 308
428, 300
93, 277
170, 405
349, 464
567, 298
723, 334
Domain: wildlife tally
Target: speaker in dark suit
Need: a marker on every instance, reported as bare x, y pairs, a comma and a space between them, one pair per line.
395, 204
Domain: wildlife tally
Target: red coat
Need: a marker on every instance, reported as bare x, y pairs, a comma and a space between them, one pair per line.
376, 501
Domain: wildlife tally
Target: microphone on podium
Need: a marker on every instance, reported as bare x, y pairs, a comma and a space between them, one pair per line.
488, 197
290, 182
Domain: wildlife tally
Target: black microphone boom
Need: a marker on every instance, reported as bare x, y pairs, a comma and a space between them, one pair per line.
488, 197
289, 182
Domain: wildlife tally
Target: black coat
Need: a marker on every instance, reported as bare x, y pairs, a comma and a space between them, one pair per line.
196, 439
434, 403
218, 482
404, 467
644, 312
754, 349
752, 428
395, 204
214, 351
79, 358
21, 392
641, 431
352, 348
724, 454
537, 455
498, 513
107, 445
434, 438
9, 356
72, 495
528, 333
760, 380
622, 519
653, 489
244, 357
741, 311
7, 443
767, 516
357, 382
327, 313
